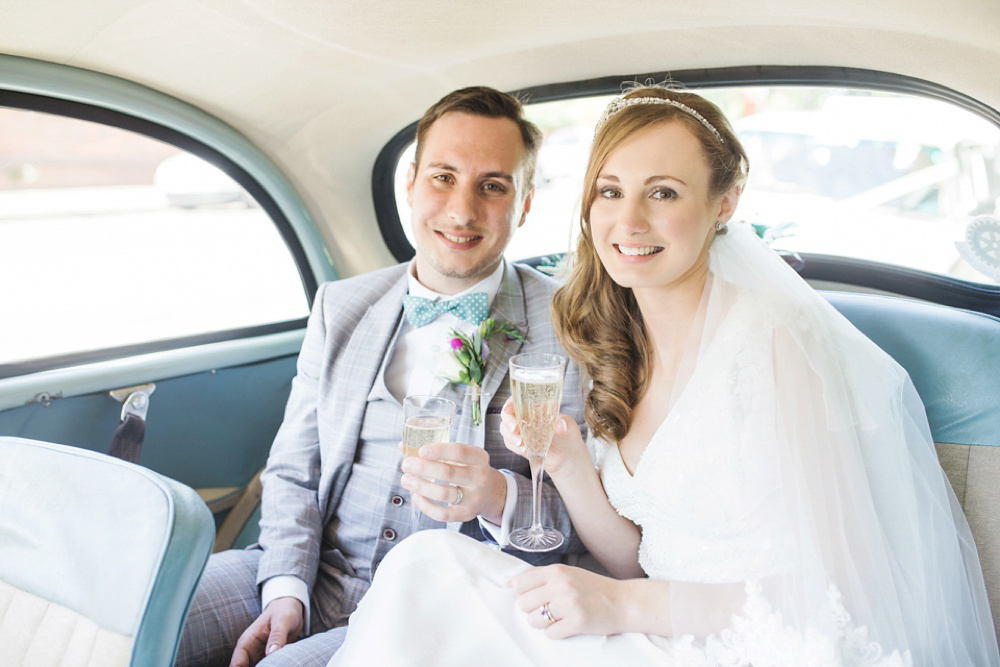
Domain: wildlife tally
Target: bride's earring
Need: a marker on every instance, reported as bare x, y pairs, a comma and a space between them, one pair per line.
721, 228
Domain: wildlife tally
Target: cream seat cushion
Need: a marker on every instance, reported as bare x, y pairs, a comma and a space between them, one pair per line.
34, 631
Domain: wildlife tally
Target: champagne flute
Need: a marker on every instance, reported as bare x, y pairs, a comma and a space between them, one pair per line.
426, 419
536, 381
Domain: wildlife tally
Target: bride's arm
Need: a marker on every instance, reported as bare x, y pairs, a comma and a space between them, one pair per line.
612, 539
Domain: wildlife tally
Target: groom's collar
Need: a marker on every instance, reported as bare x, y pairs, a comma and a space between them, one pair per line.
489, 284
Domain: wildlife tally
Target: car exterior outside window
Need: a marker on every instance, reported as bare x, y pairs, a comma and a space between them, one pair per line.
887, 177
109, 238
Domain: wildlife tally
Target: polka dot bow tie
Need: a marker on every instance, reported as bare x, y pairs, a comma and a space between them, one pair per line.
472, 308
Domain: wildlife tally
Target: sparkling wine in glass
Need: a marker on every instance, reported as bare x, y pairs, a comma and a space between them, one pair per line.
536, 381
426, 419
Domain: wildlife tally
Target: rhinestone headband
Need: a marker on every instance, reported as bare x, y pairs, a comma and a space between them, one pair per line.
620, 103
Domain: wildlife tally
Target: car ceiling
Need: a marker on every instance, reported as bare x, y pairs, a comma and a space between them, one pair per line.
321, 87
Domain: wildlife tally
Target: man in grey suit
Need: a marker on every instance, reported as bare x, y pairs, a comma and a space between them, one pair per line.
335, 495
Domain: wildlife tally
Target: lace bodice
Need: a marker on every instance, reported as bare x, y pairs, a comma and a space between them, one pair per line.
704, 492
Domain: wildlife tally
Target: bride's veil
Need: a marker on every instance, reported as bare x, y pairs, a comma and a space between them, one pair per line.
853, 534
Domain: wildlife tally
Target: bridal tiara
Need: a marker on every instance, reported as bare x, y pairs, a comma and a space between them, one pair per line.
620, 103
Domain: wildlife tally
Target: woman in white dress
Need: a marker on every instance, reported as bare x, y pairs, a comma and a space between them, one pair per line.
766, 491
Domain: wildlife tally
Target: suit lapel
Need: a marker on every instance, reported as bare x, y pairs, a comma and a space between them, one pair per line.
507, 306
363, 355
373, 335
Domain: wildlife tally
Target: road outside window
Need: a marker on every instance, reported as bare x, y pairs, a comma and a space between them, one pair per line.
109, 238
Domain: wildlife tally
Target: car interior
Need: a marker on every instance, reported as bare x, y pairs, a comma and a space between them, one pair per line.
176, 180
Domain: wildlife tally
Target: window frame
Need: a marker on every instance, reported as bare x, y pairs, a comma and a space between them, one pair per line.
31, 85
849, 271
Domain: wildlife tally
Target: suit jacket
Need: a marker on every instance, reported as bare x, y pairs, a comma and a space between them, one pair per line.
349, 333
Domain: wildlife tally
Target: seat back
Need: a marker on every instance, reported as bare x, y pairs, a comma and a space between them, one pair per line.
99, 558
953, 358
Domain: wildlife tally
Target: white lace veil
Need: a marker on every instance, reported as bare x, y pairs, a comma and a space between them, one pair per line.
865, 542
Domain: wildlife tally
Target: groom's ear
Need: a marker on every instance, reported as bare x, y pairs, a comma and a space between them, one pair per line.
527, 206
411, 176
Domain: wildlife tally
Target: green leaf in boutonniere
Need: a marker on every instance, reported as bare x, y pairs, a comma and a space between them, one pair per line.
466, 362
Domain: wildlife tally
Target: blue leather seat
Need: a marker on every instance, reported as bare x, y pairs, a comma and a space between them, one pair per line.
99, 558
953, 357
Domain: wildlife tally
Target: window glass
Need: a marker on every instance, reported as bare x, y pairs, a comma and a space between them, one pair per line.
110, 238
886, 177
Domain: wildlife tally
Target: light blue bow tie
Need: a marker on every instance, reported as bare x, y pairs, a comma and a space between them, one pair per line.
472, 308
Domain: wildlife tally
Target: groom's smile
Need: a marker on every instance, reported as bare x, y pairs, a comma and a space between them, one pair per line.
460, 241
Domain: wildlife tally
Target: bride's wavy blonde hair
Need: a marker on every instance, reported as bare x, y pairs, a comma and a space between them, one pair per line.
598, 322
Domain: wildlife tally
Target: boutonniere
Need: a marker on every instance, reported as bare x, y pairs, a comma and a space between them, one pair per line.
465, 360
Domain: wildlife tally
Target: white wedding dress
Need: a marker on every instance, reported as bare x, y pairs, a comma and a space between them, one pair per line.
792, 497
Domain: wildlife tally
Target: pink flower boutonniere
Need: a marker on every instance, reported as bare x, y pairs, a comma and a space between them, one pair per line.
465, 363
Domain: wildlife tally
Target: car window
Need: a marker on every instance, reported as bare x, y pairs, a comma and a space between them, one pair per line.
887, 177
110, 238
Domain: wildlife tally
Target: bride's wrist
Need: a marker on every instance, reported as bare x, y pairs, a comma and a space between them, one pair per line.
645, 607
570, 468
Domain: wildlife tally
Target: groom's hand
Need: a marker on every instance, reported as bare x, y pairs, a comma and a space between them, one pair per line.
451, 465
280, 623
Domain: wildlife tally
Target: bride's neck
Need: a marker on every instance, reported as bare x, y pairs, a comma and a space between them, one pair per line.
669, 313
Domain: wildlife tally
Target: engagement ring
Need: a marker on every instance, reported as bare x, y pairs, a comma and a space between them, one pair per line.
546, 614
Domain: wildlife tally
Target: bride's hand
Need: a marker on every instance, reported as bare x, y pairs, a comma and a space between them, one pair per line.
567, 445
576, 601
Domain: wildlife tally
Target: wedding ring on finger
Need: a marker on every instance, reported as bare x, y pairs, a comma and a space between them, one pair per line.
546, 614
460, 496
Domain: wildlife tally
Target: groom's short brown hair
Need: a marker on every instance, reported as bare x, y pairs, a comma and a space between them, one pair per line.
491, 103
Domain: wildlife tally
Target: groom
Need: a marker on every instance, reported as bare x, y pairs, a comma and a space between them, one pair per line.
335, 499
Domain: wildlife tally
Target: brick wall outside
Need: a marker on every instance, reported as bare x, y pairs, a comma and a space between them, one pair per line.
39, 150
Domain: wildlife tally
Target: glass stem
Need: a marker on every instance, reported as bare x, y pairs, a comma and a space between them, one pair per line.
537, 467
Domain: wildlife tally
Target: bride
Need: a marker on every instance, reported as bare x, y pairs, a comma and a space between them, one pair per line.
766, 491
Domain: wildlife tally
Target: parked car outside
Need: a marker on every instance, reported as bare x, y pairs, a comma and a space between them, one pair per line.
188, 181
886, 179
